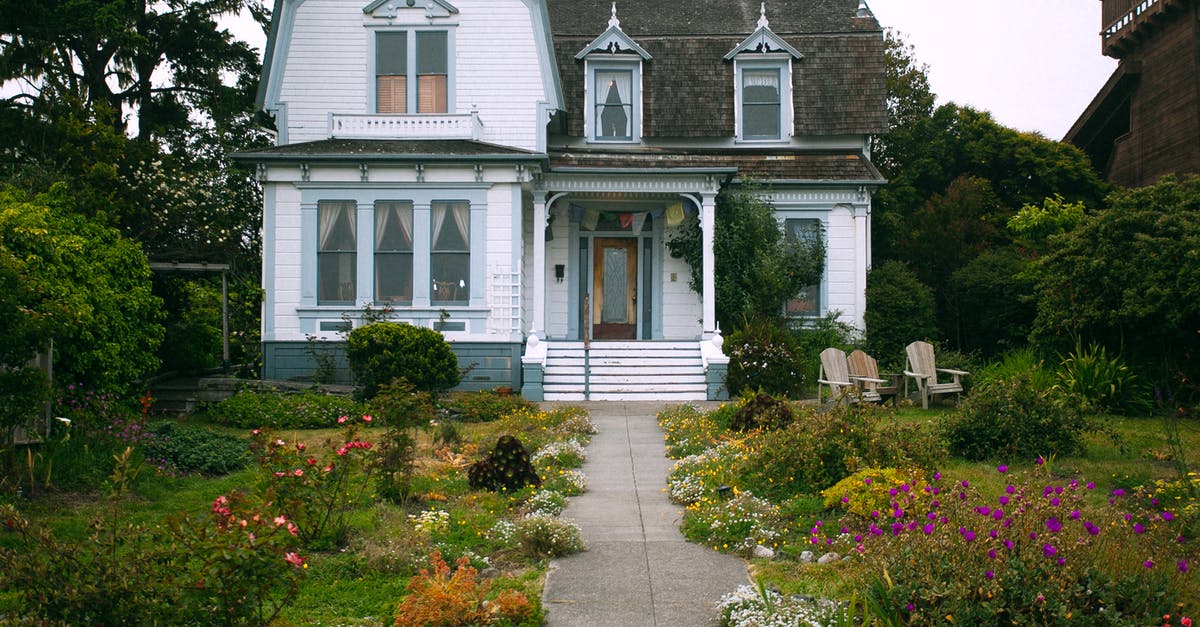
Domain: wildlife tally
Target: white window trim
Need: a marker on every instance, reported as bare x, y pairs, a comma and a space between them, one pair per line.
591, 66
787, 122
411, 71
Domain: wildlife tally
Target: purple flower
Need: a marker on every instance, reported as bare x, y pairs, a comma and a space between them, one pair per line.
1168, 516
1053, 525
857, 537
1182, 566
1039, 461
1055, 502
968, 535
1049, 550
897, 528
997, 513
874, 513
1010, 488
1148, 563
1091, 485
1004, 500
935, 504
1062, 560
893, 492
1091, 528
1074, 514
983, 510
928, 528
867, 481
1118, 492
937, 475
1008, 544
989, 574
1002, 468
897, 513
993, 534
1033, 535
965, 483
905, 488
845, 499
1139, 528
992, 553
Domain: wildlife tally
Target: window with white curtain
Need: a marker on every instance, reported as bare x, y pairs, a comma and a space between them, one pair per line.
450, 252
761, 103
336, 251
394, 252
614, 104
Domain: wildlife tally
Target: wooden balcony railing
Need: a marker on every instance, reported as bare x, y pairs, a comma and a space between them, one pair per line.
414, 126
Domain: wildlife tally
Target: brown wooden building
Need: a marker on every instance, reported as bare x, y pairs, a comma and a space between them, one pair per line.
1145, 122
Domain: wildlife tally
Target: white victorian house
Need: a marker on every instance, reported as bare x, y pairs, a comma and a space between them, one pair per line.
509, 172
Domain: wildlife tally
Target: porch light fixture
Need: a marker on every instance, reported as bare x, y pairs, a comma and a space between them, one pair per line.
560, 271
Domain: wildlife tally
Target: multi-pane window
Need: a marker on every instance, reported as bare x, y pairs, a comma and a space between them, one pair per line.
804, 232
399, 62
450, 252
761, 103
336, 251
393, 251
613, 91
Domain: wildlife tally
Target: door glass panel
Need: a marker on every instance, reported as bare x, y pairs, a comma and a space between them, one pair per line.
616, 262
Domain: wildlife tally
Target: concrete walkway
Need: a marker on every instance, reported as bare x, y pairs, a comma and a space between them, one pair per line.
638, 569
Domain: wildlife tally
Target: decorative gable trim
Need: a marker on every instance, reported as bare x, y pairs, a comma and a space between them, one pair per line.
388, 8
614, 41
763, 40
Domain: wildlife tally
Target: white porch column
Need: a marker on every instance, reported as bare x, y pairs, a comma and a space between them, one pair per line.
539, 266
862, 262
708, 293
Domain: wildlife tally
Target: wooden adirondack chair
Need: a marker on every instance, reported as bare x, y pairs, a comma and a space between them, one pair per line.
922, 369
865, 370
835, 375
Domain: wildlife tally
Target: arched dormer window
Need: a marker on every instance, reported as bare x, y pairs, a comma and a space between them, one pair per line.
613, 85
762, 69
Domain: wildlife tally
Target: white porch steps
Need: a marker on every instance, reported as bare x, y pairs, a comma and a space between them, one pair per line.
624, 371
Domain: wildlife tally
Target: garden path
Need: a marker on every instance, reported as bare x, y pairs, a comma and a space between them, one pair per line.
638, 569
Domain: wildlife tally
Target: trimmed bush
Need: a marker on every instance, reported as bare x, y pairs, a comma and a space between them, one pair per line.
762, 356
384, 351
485, 405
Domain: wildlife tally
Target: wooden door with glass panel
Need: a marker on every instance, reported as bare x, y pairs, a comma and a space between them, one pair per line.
614, 289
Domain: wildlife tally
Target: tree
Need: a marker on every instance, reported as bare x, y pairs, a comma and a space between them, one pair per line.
155, 60
1128, 277
899, 311
757, 267
80, 284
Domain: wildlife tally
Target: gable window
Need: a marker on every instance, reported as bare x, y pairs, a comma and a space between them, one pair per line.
336, 263
761, 103
393, 252
614, 105
450, 252
806, 303
404, 58
763, 100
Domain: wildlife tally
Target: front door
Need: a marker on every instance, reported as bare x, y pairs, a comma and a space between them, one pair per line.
614, 288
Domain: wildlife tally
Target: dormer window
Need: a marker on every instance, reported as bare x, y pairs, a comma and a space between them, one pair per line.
404, 58
613, 90
763, 85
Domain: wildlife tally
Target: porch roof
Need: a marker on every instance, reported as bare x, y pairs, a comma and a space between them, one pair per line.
390, 150
781, 167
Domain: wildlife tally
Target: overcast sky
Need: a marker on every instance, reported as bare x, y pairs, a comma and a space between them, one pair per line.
1034, 64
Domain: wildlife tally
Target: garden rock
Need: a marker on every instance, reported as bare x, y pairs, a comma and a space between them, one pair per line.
762, 552
829, 558
807, 557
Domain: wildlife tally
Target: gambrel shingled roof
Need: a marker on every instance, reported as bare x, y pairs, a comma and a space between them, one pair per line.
838, 85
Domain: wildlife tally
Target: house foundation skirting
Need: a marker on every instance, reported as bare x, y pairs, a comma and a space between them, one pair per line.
489, 364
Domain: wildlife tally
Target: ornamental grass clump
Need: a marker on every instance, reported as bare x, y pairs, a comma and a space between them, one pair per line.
1040, 550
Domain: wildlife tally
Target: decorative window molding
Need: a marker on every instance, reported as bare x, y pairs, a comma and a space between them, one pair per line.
389, 9
763, 105
613, 85
419, 57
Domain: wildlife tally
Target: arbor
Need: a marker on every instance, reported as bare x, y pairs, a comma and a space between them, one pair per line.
757, 267
78, 283
1128, 277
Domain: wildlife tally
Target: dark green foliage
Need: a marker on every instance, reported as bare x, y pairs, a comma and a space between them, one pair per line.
762, 411
762, 356
485, 405
1014, 419
506, 467
1128, 278
251, 409
383, 351
990, 303
1024, 362
1102, 382
900, 310
821, 448
757, 268
195, 449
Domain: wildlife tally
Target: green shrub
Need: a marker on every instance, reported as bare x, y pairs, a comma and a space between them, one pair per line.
762, 411
381, 352
1013, 418
762, 356
900, 310
194, 449
402, 410
990, 302
485, 405
250, 409
547, 536
1020, 362
817, 335
1104, 383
